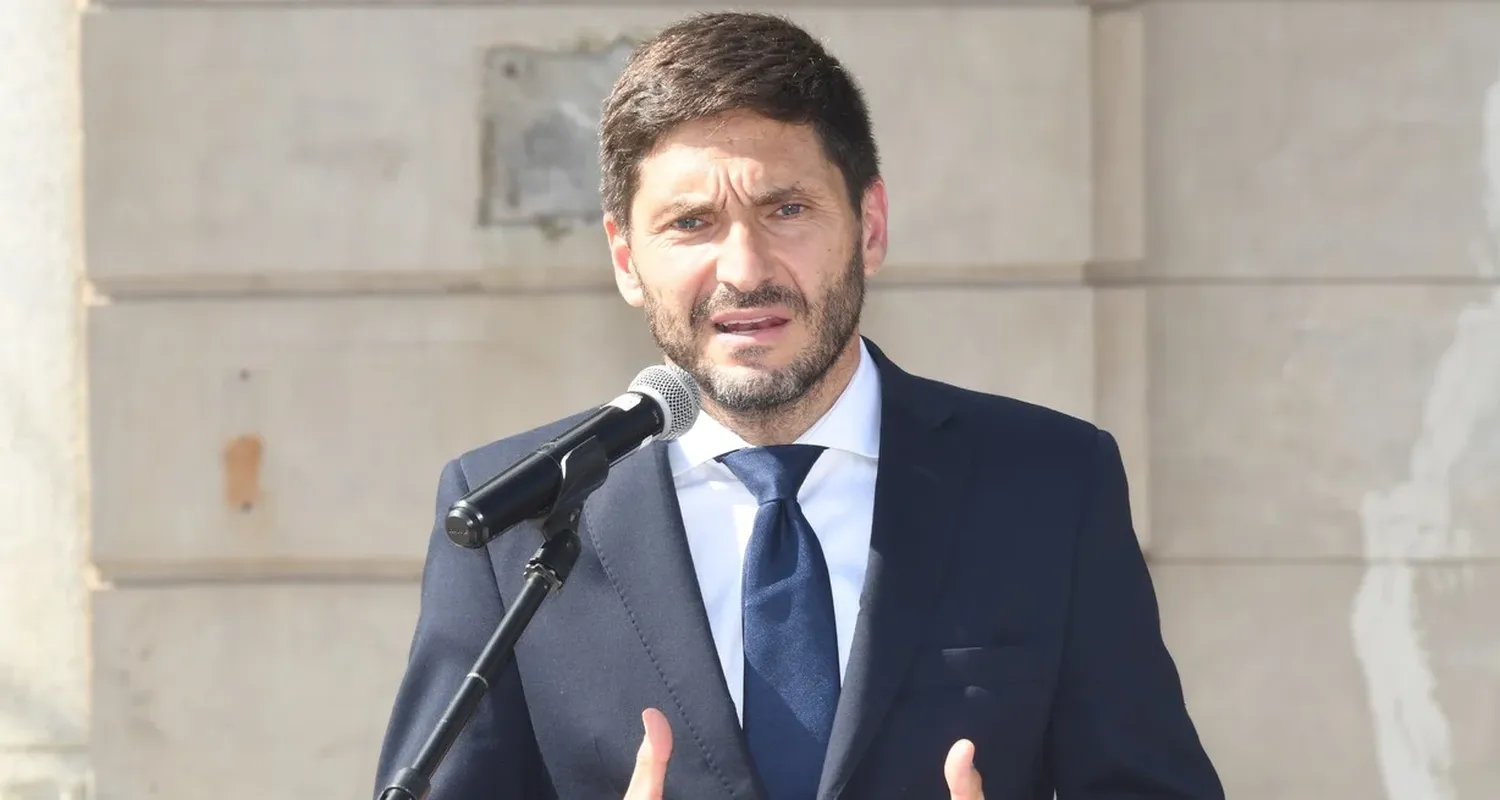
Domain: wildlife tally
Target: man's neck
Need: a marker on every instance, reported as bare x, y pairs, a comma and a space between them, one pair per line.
785, 424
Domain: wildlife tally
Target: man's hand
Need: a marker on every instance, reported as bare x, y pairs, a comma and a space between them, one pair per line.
963, 778
650, 777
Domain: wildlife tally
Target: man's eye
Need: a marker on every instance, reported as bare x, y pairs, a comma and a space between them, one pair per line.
790, 209
687, 224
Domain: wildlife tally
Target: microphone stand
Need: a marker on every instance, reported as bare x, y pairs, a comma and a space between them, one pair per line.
584, 469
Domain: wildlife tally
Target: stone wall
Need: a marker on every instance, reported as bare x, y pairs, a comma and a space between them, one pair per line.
44, 578
1256, 240
1323, 228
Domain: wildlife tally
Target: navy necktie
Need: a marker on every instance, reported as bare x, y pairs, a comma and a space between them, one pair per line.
791, 643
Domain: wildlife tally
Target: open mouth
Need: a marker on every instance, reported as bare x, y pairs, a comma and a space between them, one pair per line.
749, 325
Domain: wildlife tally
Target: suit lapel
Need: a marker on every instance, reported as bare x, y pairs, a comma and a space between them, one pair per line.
635, 526
920, 483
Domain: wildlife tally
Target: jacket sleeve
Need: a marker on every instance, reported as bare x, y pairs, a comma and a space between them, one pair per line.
1120, 728
496, 754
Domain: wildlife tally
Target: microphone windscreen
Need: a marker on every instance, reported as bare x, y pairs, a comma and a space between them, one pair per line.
677, 394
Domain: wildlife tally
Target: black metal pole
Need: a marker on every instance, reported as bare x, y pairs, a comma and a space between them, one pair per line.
584, 470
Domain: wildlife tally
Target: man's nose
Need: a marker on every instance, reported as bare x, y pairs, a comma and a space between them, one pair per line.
742, 262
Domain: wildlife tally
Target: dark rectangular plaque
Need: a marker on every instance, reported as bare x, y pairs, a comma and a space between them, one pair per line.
541, 119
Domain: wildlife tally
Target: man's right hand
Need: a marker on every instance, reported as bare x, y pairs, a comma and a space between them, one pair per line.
650, 777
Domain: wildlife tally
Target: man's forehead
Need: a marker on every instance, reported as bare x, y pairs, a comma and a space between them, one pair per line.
691, 170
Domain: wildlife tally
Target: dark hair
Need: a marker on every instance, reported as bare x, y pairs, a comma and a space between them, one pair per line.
714, 63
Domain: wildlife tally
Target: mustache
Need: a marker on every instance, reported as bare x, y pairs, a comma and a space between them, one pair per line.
730, 299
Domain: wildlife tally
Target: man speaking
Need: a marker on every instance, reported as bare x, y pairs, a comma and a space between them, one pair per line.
844, 580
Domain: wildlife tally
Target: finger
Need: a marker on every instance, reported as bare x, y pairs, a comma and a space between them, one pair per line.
963, 778
650, 776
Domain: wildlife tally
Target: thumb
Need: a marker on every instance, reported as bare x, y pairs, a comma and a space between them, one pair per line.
650, 777
963, 778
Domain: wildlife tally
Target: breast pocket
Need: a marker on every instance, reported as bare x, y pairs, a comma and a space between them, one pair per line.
998, 697
984, 667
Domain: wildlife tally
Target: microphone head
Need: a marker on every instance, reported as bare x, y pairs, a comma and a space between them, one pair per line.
677, 394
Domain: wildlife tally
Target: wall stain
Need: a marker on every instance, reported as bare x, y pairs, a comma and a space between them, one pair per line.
242, 460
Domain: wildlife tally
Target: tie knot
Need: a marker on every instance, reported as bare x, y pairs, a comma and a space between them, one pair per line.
775, 472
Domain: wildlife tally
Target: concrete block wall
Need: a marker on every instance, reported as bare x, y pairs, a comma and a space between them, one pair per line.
1322, 229
1254, 239
44, 578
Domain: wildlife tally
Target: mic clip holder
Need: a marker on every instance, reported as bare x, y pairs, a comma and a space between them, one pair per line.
584, 469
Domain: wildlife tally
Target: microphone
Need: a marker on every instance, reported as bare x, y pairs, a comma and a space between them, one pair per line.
661, 404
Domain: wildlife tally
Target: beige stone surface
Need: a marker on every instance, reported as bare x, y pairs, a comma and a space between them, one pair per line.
211, 691
1119, 151
296, 434
44, 704
1032, 343
253, 147
41, 775
1456, 615
306, 435
1317, 139
1291, 704
1325, 421
1005, 180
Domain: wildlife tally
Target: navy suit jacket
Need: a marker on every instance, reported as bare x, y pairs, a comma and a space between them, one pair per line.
1006, 601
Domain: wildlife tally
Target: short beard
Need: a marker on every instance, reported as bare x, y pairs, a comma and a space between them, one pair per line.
760, 394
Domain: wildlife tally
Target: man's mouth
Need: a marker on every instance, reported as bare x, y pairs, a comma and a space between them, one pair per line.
749, 325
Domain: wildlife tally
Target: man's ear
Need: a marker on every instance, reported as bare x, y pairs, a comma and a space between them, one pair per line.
626, 279
875, 214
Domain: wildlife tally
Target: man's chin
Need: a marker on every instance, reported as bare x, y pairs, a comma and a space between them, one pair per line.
747, 372
750, 389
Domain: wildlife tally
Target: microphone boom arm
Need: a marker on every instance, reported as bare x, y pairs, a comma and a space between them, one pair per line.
584, 469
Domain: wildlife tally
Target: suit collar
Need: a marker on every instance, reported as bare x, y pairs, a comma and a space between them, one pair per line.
922, 482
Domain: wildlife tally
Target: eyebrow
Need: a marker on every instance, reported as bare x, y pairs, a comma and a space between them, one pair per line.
678, 209
775, 197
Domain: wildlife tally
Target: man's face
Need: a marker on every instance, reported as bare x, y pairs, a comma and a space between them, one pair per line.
747, 257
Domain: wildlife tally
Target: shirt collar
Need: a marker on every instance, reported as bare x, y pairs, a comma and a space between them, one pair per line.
851, 425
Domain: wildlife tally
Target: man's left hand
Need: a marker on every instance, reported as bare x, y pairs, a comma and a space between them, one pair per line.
963, 778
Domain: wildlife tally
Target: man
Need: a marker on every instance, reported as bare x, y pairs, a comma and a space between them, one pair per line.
845, 580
